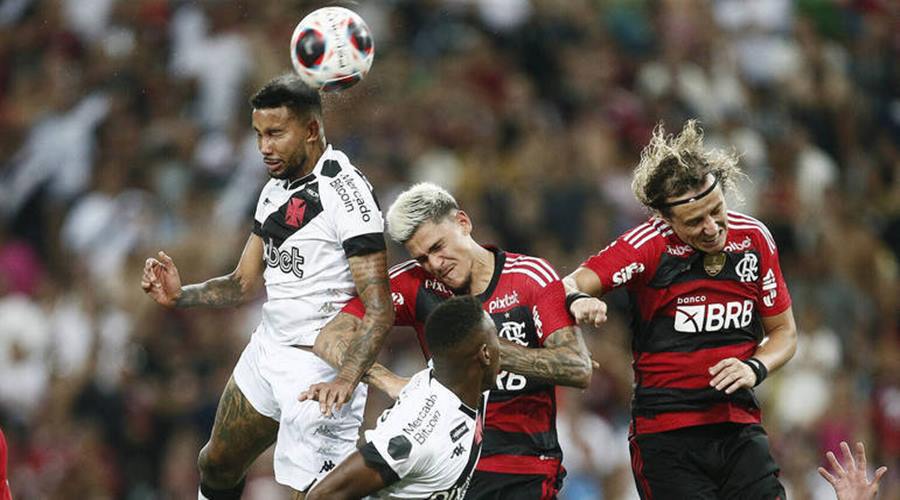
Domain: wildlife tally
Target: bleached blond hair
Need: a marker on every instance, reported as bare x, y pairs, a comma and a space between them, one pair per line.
424, 202
671, 166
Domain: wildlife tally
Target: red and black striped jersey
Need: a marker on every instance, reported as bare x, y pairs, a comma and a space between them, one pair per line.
688, 313
526, 300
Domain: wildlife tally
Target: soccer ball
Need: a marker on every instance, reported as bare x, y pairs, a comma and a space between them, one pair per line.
332, 49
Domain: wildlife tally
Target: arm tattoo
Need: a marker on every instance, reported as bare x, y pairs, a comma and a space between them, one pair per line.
370, 275
564, 360
335, 339
223, 291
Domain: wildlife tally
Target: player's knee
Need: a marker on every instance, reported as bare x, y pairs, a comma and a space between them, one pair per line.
215, 470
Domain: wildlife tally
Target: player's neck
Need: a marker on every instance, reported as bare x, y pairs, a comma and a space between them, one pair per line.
313, 155
482, 269
466, 386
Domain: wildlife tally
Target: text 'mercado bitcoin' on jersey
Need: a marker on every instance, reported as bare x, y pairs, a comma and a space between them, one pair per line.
310, 227
526, 300
690, 311
427, 444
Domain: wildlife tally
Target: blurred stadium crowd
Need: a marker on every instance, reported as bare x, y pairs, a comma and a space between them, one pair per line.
125, 130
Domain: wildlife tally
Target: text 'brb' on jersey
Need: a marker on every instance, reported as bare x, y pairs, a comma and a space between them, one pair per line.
310, 227
690, 311
526, 300
427, 444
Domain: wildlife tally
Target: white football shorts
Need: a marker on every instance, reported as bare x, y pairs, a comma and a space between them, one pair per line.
309, 444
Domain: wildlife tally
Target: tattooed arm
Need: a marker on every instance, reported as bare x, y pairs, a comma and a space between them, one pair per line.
564, 359
162, 282
370, 275
334, 340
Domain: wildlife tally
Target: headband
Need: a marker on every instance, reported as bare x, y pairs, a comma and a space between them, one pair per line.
691, 199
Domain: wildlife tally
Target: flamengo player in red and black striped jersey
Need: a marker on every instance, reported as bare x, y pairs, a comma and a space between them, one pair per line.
540, 346
706, 289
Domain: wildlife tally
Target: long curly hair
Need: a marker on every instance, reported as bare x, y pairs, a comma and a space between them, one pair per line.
671, 166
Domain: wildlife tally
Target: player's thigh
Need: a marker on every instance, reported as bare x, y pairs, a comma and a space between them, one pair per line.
309, 444
664, 467
497, 486
239, 433
748, 469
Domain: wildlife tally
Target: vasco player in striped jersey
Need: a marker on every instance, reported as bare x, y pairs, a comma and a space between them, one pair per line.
711, 318
540, 347
317, 241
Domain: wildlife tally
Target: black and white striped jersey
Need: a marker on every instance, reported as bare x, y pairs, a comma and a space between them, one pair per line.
310, 226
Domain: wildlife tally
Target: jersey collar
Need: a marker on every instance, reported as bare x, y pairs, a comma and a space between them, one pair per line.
499, 261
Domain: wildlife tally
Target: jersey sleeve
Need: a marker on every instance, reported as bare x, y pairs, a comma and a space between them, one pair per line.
391, 448
549, 309
774, 297
621, 263
403, 295
259, 215
354, 211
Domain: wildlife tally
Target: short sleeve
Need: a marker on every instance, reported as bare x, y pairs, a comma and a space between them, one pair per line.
549, 310
774, 297
621, 263
396, 449
352, 207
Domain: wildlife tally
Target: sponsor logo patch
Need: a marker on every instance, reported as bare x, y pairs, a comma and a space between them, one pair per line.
709, 318
625, 274
505, 302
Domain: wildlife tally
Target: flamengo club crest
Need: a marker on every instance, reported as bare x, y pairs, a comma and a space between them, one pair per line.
748, 268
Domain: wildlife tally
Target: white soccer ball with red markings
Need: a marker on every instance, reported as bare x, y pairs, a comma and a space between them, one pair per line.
332, 49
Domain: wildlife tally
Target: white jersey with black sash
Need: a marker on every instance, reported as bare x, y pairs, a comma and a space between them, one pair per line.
427, 444
310, 227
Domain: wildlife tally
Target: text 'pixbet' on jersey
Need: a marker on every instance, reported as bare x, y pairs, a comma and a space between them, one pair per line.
288, 262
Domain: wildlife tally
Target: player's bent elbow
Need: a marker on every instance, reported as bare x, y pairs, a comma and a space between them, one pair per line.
583, 381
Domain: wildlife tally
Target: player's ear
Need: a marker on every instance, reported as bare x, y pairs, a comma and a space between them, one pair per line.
313, 129
464, 221
484, 355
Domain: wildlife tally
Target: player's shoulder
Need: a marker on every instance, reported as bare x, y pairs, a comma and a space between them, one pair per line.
534, 270
407, 272
652, 234
269, 187
335, 168
744, 226
270, 197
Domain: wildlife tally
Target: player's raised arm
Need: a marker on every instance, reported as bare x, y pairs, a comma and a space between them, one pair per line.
370, 276
850, 479
334, 341
564, 360
162, 282
582, 289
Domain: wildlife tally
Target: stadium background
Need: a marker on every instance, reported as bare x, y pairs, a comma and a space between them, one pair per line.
125, 130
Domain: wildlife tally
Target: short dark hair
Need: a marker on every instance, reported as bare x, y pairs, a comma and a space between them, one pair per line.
290, 91
452, 323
